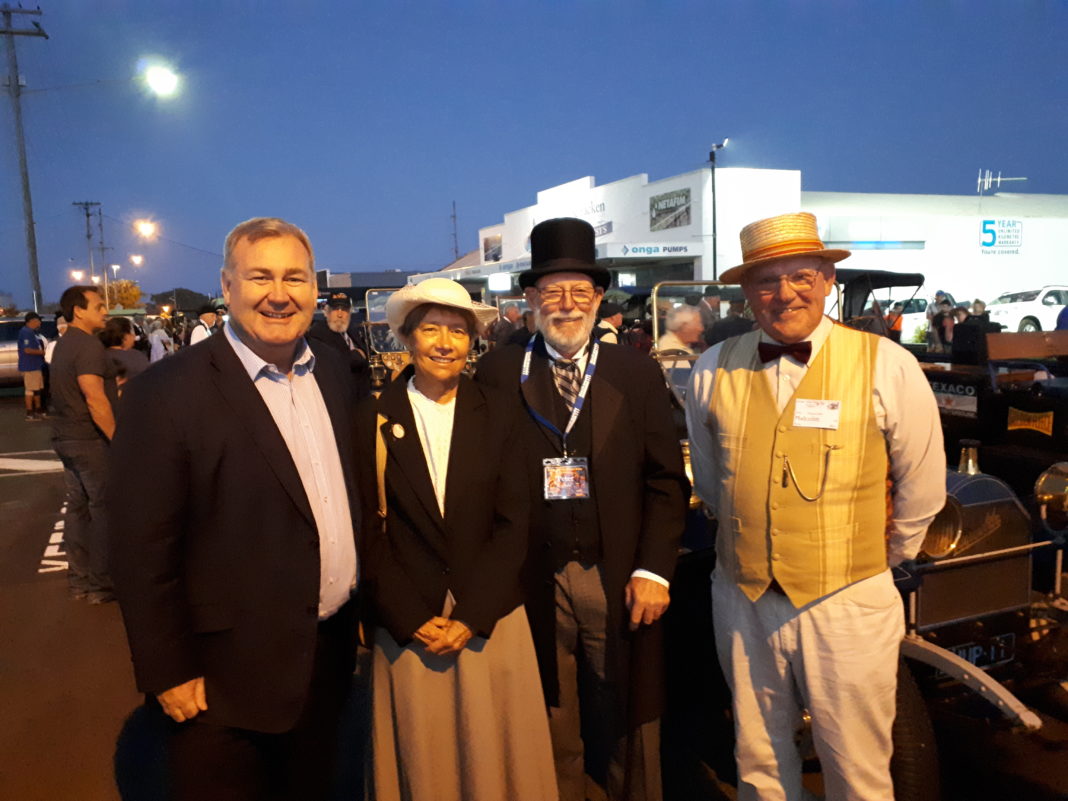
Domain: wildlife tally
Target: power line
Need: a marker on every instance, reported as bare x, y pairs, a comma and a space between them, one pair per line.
171, 241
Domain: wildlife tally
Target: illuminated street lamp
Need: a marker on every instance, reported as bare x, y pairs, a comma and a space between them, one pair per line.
146, 229
136, 259
96, 279
77, 275
161, 80
115, 268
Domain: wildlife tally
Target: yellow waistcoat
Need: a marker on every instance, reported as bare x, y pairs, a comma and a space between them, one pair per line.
767, 528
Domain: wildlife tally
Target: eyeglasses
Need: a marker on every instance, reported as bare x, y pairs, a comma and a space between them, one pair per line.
580, 295
801, 281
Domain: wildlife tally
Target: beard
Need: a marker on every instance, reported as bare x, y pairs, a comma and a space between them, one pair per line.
567, 339
338, 326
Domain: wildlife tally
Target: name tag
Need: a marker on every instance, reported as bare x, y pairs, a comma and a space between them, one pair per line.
816, 413
566, 478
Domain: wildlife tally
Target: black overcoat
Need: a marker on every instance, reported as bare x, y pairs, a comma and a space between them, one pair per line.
640, 491
214, 548
477, 549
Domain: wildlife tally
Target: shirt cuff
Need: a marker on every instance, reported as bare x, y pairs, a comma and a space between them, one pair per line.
645, 574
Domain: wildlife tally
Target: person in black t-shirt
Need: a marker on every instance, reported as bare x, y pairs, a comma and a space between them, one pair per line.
83, 425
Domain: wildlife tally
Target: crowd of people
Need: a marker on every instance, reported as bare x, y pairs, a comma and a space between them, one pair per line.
505, 545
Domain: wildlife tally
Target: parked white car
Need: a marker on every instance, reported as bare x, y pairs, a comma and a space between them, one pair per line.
1033, 310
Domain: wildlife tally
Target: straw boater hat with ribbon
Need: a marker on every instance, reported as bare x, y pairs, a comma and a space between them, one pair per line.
440, 291
564, 245
765, 241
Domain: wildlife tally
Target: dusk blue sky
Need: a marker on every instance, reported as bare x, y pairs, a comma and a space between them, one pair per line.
362, 122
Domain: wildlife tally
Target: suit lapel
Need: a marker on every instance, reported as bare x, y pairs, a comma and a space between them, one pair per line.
252, 413
607, 405
335, 397
406, 452
467, 421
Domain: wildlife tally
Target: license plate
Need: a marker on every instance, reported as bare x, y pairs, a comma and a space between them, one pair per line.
995, 651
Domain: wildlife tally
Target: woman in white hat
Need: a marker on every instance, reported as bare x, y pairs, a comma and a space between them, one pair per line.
458, 708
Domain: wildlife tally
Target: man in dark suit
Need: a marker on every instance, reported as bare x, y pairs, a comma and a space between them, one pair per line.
335, 332
608, 511
234, 563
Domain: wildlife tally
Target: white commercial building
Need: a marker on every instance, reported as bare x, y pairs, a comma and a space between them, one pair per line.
649, 231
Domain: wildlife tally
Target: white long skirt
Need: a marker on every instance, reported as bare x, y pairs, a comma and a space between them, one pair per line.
465, 727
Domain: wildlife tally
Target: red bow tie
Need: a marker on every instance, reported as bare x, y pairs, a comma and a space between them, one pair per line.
801, 351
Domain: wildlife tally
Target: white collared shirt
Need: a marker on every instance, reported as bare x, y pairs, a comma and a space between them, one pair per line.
905, 412
297, 408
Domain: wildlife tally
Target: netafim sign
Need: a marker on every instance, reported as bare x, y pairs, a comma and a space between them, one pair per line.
669, 210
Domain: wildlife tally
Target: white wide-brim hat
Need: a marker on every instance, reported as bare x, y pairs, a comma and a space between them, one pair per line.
440, 291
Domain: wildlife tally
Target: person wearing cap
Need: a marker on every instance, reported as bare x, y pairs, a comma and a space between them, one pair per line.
236, 568
608, 499
334, 331
205, 324
31, 352
607, 330
795, 431
458, 712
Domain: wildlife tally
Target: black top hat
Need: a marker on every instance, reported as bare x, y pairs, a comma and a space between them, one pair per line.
207, 308
563, 245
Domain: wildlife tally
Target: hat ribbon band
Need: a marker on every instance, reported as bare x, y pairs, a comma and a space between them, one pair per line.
783, 249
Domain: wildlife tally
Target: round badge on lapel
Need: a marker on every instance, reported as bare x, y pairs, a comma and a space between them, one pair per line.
398, 431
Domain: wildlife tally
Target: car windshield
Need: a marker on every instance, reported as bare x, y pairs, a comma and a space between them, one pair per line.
1017, 297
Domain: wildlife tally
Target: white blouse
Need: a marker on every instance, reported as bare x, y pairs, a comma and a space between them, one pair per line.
434, 423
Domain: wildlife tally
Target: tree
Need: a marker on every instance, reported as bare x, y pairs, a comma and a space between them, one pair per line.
180, 299
125, 293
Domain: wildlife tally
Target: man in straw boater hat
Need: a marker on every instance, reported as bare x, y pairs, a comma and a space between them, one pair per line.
795, 431
608, 495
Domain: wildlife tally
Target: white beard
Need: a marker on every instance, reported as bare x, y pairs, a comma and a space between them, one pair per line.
336, 325
562, 342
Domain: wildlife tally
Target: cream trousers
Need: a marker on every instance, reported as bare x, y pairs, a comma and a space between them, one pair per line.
836, 657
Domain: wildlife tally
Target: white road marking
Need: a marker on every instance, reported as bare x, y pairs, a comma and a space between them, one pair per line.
49, 562
32, 465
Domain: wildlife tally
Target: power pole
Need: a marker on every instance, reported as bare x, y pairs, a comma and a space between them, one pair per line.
15, 90
455, 241
86, 205
103, 252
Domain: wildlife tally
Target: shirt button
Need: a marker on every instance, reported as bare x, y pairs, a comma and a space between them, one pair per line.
778, 454
782, 429
775, 557
774, 506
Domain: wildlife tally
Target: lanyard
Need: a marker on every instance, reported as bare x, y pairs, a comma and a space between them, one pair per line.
591, 366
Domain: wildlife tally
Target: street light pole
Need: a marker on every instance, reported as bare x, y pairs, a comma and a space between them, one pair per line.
86, 205
712, 161
20, 138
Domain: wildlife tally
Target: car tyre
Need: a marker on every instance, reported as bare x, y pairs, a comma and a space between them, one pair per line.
914, 766
1029, 325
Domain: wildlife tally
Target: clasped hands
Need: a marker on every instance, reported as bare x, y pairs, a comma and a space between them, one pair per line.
185, 701
443, 636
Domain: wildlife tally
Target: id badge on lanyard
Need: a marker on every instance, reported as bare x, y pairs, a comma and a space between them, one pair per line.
566, 477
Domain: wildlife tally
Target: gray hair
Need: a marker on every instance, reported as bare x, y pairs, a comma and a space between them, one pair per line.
680, 315
260, 228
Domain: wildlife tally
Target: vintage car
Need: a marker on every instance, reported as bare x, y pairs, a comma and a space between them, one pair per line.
983, 680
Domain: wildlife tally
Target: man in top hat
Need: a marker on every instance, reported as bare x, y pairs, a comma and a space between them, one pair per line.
334, 332
796, 431
609, 495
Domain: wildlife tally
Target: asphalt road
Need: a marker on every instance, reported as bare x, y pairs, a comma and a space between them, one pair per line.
66, 685
71, 724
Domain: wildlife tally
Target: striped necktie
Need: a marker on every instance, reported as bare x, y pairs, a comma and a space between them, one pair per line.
568, 381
